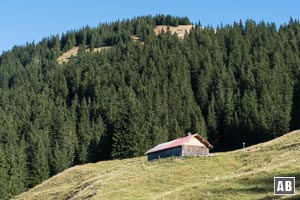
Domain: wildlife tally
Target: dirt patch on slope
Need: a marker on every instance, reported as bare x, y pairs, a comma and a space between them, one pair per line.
180, 30
65, 57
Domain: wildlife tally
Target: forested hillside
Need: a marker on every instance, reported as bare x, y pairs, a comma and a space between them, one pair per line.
237, 83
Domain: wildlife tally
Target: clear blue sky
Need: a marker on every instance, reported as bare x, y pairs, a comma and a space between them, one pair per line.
31, 20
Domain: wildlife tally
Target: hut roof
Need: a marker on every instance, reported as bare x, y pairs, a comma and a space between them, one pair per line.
179, 142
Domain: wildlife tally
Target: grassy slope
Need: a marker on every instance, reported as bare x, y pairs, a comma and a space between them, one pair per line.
232, 175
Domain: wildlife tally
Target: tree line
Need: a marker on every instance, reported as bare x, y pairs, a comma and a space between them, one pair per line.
236, 83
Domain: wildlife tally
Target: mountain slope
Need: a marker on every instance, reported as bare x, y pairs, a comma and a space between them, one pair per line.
240, 82
247, 174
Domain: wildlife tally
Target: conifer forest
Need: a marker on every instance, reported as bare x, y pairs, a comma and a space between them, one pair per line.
232, 84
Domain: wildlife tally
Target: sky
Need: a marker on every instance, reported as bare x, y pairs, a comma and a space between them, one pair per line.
31, 20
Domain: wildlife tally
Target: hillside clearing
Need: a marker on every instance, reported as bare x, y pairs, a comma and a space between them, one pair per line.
65, 57
180, 30
232, 175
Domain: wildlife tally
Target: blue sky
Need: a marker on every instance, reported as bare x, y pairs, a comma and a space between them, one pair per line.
31, 20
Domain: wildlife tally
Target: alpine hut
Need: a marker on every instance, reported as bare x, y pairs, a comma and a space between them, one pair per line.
190, 145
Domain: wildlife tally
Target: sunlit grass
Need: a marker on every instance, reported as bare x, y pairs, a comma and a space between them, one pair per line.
232, 175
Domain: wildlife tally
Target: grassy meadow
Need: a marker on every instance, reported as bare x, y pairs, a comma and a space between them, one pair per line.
240, 174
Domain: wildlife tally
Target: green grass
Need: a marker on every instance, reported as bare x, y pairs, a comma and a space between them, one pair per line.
232, 175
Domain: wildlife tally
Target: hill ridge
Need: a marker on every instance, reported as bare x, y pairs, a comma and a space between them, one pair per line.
180, 30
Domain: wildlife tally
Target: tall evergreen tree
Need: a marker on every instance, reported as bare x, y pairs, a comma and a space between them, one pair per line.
4, 176
84, 131
37, 159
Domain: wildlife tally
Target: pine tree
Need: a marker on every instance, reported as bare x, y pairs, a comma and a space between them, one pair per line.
127, 138
295, 113
37, 159
16, 168
212, 122
62, 138
84, 131
4, 184
98, 130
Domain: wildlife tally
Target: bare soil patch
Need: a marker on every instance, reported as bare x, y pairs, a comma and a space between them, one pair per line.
65, 57
179, 30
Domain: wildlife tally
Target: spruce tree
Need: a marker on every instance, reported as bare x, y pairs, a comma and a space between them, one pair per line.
84, 131
37, 159
4, 177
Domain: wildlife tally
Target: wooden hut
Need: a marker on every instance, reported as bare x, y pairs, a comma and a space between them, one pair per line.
190, 145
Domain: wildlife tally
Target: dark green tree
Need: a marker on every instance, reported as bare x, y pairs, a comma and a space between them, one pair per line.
4, 178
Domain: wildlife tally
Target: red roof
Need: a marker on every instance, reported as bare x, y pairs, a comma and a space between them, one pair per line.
179, 142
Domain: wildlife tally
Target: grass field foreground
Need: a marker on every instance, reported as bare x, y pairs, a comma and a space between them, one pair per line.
240, 174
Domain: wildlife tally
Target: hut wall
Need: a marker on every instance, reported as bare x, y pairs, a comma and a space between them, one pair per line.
190, 150
177, 151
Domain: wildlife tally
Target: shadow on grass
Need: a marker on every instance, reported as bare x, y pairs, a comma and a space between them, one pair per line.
270, 197
296, 197
260, 185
